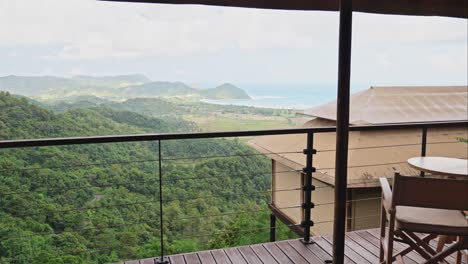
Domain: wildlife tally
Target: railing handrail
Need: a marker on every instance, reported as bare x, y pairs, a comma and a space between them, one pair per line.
22, 143
307, 188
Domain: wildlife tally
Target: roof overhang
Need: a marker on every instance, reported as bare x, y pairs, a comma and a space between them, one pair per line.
448, 8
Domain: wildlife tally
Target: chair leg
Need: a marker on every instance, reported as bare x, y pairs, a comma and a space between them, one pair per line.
459, 257
414, 245
442, 255
383, 220
405, 251
391, 232
422, 243
464, 252
408, 249
441, 243
460, 253
429, 237
460, 245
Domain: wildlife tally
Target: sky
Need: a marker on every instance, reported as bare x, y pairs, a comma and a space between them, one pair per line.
200, 44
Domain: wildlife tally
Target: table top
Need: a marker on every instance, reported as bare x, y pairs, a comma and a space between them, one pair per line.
440, 165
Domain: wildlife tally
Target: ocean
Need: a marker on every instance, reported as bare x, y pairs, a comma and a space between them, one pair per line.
285, 96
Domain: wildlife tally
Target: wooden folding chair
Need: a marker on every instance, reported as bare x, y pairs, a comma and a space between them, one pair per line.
422, 205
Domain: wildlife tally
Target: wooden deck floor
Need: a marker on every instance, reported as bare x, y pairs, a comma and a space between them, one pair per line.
361, 247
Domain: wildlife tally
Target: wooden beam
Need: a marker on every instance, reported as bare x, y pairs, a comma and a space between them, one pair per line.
286, 220
450, 8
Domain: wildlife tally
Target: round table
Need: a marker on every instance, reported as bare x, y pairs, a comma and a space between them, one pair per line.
451, 167
440, 165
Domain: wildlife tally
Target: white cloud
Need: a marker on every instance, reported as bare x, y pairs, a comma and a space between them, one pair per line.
92, 29
89, 31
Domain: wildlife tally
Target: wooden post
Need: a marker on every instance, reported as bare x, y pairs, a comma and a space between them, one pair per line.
272, 227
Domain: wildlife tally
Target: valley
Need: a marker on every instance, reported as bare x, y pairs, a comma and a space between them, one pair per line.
98, 203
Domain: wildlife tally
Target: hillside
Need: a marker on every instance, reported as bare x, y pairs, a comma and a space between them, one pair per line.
97, 203
158, 89
224, 91
112, 81
111, 87
34, 85
21, 119
209, 117
53, 87
172, 89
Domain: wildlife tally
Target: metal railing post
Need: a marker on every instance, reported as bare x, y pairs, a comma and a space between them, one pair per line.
308, 188
423, 146
162, 259
272, 228
342, 130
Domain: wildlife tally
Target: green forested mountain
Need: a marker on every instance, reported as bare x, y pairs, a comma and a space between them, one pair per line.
20, 119
111, 81
112, 87
224, 91
168, 89
158, 89
99, 203
209, 117
56, 87
79, 98
33, 85
158, 107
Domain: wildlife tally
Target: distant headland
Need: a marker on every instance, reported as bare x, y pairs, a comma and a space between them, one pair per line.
119, 87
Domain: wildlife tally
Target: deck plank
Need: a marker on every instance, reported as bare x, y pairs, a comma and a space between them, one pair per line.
360, 247
206, 257
374, 249
263, 254
220, 256
349, 252
361, 250
192, 258
235, 256
291, 252
318, 251
399, 247
304, 252
375, 241
249, 255
277, 254
177, 259
325, 245
147, 261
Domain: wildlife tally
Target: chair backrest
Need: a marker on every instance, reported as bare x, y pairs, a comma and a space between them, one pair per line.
429, 192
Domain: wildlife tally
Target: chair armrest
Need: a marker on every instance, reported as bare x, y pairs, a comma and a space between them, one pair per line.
386, 194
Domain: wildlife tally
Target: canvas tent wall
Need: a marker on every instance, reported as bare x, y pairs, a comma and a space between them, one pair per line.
372, 154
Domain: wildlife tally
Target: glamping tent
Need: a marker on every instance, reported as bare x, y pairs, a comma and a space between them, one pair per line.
371, 155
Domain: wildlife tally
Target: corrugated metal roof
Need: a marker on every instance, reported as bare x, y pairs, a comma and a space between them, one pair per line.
374, 154
380, 105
